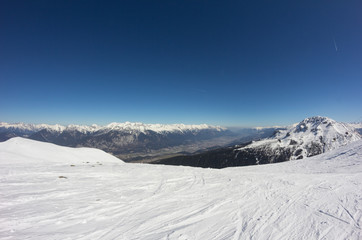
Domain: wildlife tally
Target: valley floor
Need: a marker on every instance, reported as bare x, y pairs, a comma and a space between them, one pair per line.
101, 197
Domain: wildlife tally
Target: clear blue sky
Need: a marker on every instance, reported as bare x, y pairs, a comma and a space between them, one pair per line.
244, 63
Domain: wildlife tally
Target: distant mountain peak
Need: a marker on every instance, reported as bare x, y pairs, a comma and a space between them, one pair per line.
316, 119
311, 136
313, 123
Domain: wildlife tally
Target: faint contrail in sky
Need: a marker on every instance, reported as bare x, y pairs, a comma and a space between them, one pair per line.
335, 44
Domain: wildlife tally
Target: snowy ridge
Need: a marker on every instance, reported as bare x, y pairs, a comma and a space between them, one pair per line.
48, 193
159, 128
127, 126
28, 127
47, 153
310, 137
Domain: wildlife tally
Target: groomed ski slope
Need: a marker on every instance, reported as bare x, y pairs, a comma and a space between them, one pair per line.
100, 197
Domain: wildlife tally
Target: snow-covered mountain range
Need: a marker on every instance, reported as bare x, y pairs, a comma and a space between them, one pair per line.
127, 126
54, 192
125, 140
310, 137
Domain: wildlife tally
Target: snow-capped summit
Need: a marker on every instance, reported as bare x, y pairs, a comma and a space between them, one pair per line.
310, 137
29, 128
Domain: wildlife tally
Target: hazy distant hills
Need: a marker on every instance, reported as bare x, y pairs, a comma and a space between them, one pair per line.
135, 141
310, 137
357, 126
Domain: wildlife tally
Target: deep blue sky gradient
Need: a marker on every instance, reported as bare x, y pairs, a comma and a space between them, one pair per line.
239, 63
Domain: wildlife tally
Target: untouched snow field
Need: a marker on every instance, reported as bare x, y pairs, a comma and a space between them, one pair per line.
52, 192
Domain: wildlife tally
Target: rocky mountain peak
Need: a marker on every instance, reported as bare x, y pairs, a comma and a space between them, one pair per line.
309, 137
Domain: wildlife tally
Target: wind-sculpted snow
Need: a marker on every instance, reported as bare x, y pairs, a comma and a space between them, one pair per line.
51, 192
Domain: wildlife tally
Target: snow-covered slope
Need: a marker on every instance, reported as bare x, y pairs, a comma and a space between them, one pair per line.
50, 192
310, 137
26, 151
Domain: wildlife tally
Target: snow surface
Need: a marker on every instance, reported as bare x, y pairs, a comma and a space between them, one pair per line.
127, 126
100, 197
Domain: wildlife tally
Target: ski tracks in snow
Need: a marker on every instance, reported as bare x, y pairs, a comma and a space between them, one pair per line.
137, 201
